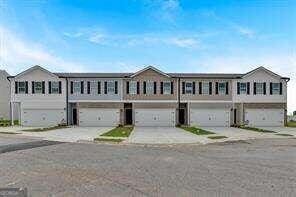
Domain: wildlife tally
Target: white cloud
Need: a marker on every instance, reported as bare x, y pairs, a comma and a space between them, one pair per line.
101, 37
184, 42
17, 55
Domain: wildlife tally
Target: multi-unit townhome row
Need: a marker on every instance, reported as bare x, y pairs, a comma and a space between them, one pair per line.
149, 97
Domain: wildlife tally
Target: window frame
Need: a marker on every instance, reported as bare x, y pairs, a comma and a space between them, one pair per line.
276, 90
55, 90
151, 88
38, 90
187, 89
133, 87
241, 90
93, 87
19, 87
204, 87
77, 90
110, 89
220, 90
257, 88
166, 91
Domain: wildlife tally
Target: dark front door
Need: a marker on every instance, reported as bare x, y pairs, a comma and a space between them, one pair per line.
182, 116
129, 116
74, 116
234, 115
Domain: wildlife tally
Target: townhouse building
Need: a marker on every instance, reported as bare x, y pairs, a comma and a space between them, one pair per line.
149, 97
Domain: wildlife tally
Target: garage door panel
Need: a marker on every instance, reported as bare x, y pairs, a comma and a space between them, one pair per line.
264, 117
42, 117
99, 117
210, 117
155, 117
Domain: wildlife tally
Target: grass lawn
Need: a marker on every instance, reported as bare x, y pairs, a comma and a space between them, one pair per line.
256, 129
284, 134
119, 132
7, 123
7, 132
291, 124
217, 137
196, 130
46, 128
108, 140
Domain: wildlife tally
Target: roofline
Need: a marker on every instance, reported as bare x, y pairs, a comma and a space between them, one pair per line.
33, 68
150, 67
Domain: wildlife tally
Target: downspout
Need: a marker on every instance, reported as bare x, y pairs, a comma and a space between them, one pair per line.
10, 104
179, 103
67, 102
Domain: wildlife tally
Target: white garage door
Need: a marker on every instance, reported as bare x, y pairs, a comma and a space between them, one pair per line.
43, 117
155, 117
210, 117
264, 117
91, 117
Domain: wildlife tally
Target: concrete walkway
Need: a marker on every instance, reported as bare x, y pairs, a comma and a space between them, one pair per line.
72, 134
282, 130
163, 135
239, 134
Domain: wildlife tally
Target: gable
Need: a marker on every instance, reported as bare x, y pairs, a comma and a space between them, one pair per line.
261, 75
150, 74
36, 73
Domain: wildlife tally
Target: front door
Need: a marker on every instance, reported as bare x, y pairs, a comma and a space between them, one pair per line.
182, 116
128, 116
74, 116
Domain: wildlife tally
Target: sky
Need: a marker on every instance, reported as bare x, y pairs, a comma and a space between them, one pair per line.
222, 36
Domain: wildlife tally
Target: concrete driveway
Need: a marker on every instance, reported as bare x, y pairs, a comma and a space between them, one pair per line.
239, 134
282, 130
72, 134
162, 135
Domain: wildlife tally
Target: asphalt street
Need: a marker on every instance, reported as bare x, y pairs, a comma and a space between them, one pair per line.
263, 167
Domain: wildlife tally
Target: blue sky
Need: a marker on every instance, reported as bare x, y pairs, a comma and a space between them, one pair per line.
174, 35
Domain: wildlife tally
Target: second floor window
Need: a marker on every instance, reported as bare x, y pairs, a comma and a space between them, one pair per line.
110, 87
37, 85
76, 86
205, 88
132, 87
21, 87
243, 88
149, 87
188, 88
55, 87
167, 87
275, 88
222, 88
259, 88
